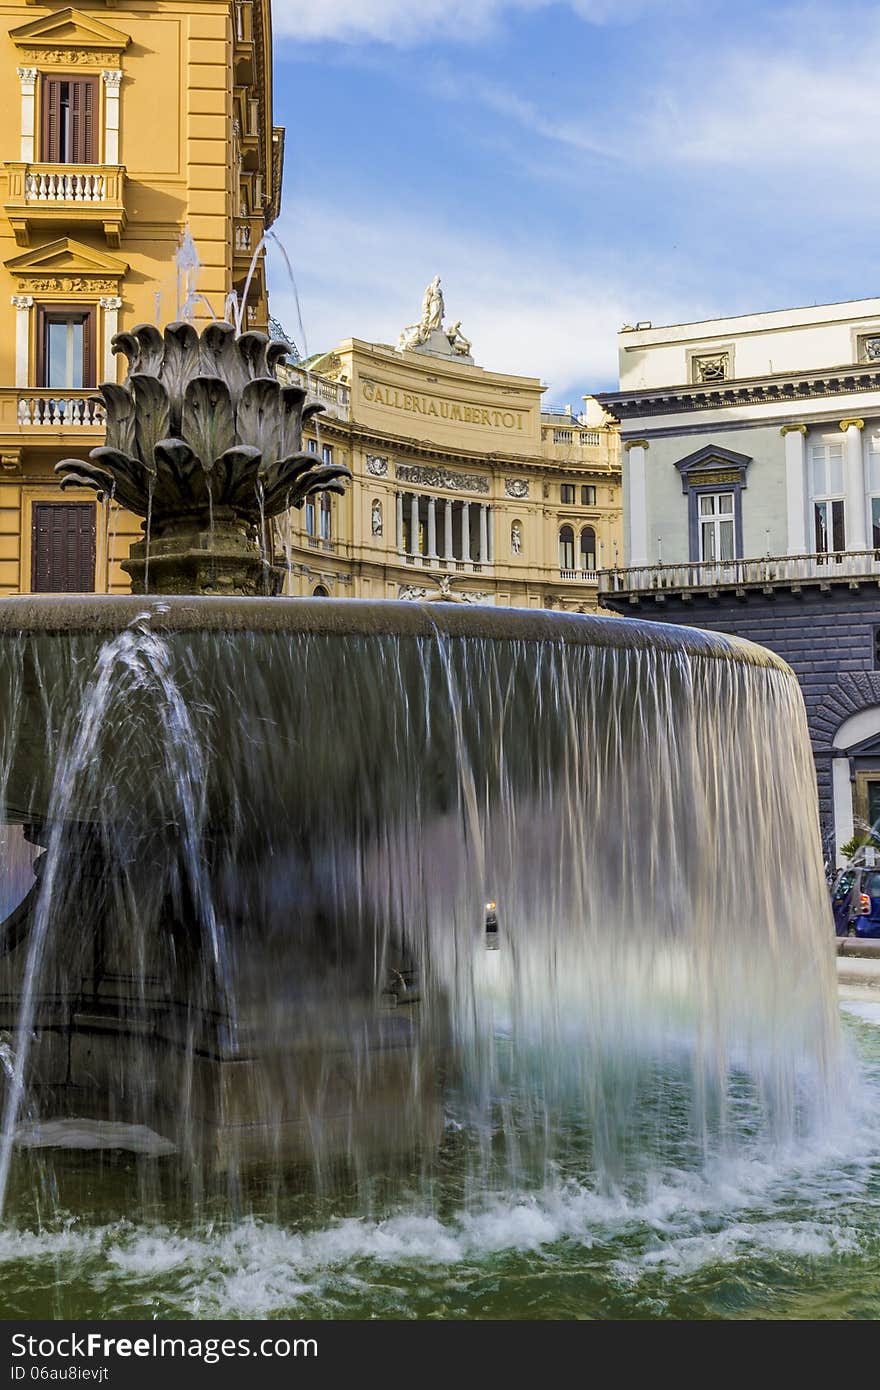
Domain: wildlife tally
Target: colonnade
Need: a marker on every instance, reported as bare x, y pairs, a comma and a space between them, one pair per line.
438, 528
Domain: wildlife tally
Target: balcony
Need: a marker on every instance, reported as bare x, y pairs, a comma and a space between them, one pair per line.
581, 576
247, 234
73, 196
333, 395
41, 412
738, 578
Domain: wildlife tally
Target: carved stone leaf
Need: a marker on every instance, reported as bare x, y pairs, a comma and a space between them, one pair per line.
180, 365
128, 345
258, 419
151, 349
253, 349
292, 402
220, 357
110, 474
298, 477
132, 470
237, 474
119, 405
275, 354
208, 419
152, 415
181, 484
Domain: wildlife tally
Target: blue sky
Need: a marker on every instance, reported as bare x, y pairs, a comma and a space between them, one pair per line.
568, 167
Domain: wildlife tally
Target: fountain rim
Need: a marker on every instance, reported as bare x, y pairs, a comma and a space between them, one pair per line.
108, 614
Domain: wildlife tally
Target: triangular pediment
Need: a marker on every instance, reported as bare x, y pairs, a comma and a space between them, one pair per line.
67, 257
868, 748
713, 463
69, 28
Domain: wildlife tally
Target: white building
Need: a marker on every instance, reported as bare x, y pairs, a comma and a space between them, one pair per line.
751, 494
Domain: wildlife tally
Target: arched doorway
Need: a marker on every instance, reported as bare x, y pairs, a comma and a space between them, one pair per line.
320, 592
855, 776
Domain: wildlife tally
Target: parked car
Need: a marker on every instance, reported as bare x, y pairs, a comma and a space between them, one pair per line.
855, 902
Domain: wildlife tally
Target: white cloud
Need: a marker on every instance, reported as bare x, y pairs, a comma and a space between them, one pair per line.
407, 23
783, 106
364, 278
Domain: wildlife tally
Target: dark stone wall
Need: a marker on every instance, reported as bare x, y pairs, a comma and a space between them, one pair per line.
827, 638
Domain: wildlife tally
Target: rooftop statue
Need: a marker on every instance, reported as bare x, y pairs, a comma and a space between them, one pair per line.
429, 335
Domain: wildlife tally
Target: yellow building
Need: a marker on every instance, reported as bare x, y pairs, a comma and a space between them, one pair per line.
140, 171
462, 481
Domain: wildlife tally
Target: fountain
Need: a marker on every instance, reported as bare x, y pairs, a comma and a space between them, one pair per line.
249, 842
205, 443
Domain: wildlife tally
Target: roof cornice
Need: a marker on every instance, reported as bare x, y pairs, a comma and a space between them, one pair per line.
779, 389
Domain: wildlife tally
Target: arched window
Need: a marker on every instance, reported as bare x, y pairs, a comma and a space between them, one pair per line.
566, 548
320, 592
588, 548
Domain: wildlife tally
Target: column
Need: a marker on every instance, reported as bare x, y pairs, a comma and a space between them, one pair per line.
635, 505
449, 554
111, 306
414, 523
28, 79
23, 304
399, 500
484, 536
490, 523
854, 485
465, 531
795, 488
432, 528
112, 81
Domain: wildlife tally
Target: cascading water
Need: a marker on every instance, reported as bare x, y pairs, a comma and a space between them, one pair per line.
265, 837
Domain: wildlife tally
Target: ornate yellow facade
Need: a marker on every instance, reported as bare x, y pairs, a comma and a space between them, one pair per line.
140, 171
461, 483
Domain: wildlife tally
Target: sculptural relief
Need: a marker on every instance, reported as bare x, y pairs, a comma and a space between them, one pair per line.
376, 517
442, 477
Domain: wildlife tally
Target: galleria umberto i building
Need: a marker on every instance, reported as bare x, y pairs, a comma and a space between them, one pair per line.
463, 482
751, 471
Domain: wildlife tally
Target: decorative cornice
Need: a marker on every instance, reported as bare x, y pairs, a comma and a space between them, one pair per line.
793, 429
790, 388
853, 421
355, 435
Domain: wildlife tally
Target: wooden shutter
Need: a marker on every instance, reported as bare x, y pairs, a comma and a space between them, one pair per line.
82, 116
82, 95
89, 374
50, 133
63, 548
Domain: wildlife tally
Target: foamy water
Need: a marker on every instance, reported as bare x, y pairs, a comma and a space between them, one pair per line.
809, 1207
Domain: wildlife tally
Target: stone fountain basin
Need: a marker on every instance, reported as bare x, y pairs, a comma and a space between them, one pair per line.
294, 670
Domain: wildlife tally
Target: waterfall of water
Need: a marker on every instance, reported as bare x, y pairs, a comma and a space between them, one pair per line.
270, 831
